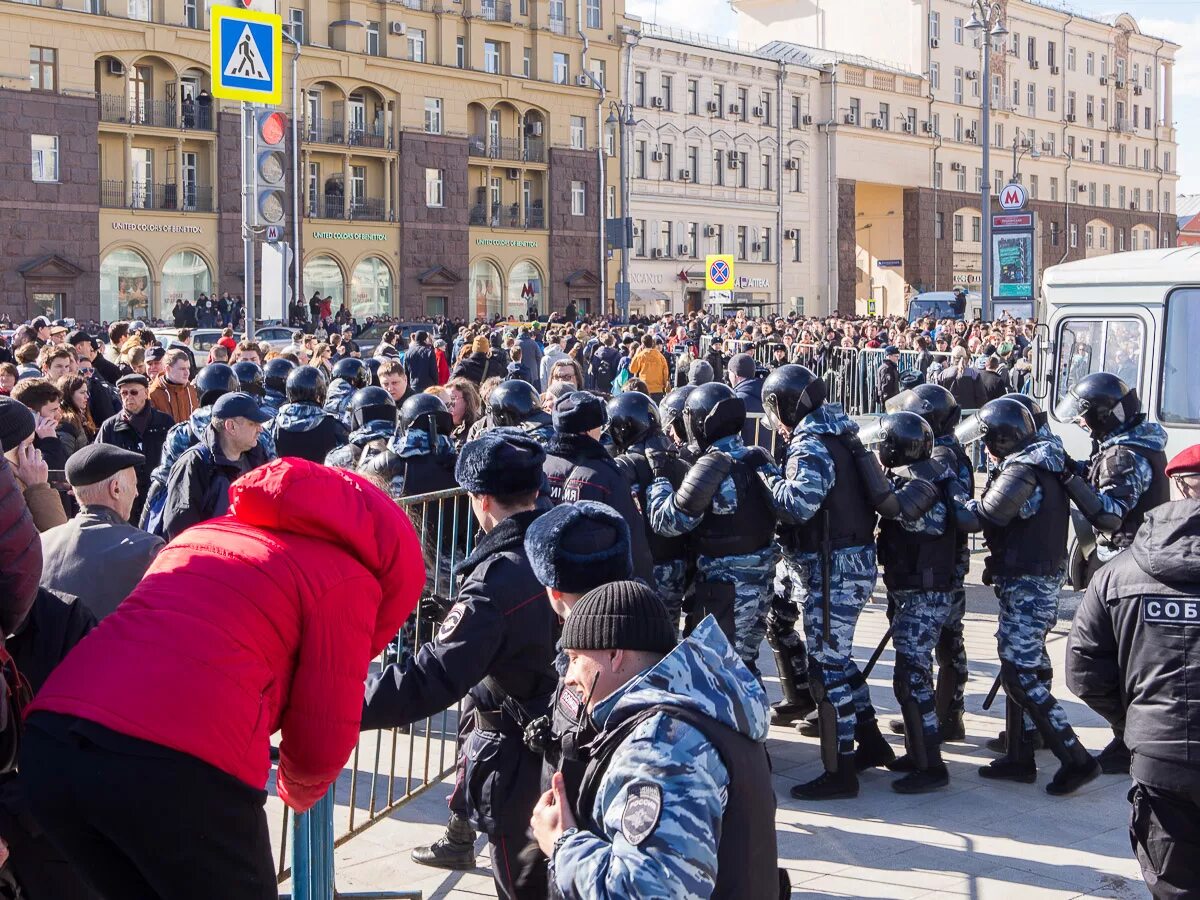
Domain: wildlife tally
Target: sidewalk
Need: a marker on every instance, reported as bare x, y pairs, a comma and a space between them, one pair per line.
974, 839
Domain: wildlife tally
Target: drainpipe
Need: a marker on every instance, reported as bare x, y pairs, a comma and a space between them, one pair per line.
601, 164
780, 76
1066, 210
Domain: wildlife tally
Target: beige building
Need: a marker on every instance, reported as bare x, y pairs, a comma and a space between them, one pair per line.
1086, 103
722, 161
449, 156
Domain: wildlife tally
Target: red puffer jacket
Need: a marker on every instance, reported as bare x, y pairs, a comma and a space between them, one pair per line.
262, 620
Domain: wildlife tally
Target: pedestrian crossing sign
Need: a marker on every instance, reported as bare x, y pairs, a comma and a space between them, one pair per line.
247, 55
718, 271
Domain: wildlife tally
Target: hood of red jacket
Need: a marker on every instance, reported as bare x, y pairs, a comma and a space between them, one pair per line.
334, 505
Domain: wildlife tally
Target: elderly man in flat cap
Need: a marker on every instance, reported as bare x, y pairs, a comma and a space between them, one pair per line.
138, 427
98, 556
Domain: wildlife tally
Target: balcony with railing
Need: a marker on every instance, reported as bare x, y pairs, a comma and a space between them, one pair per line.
495, 10
197, 198
419, 5
116, 194
368, 209
122, 110
324, 131
558, 24
501, 215
510, 149
369, 136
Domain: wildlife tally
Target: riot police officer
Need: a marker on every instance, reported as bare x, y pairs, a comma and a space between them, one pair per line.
419, 458
827, 534
1024, 512
302, 427
918, 555
495, 648
515, 404
670, 413
349, 374
373, 418
1125, 479
634, 428
727, 513
275, 373
250, 379
937, 406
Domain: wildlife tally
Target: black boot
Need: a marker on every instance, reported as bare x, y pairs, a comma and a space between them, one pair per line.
808, 726
840, 784
453, 850
896, 726
1078, 768
797, 700
930, 777
1018, 763
872, 747
947, 700
1114, 759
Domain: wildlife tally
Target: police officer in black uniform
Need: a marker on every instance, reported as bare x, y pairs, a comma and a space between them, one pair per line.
634, 428
420, 456
1134, 657
302, 427
275, 373
670, 413
495, 649
250, 379
373, 420
349, 374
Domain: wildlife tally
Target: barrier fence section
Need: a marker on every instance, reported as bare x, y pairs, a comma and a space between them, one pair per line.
401, 763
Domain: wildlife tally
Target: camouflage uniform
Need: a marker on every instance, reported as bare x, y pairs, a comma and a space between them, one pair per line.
671, 578
853, 572
683, 771
951, 649
349, 455
749, 573
786, 603
414, 442
337, 399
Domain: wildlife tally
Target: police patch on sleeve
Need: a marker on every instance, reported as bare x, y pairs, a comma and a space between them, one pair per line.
642, 810
450, 623
1171, 610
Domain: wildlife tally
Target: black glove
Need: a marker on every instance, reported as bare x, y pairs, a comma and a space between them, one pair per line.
757, 457
660, 462
702, 481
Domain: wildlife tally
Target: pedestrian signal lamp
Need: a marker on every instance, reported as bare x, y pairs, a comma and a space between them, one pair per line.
270, 168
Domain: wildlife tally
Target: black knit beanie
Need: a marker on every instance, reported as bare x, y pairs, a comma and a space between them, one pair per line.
16, 423
621, 615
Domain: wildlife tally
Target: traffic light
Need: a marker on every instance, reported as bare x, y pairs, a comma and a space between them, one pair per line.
270, 169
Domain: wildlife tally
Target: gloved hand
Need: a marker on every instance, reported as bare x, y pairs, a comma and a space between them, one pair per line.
660, 462
757, 457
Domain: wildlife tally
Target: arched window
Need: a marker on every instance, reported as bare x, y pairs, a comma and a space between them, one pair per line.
322, 275
526, 290
185, 276
371, 289
486, 286
125, 287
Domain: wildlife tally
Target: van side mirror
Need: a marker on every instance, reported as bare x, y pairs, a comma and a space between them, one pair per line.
1043, 352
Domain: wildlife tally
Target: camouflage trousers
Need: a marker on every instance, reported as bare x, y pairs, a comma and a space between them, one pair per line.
951, 649
831, 670
786, 601
916, 627
1028, 610
671, 577
750, 574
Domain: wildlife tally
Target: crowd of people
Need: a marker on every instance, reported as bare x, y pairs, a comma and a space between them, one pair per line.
653, 499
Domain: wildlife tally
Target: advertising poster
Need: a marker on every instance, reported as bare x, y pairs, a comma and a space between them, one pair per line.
1012, 262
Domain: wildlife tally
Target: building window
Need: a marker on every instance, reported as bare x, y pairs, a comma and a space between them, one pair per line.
743, 174
885, 115
939, 226
45, 156
433, 115
668, 162
527, 63
693, 96
639, 159
598, 70
958, 228
373, 39
664, 240
937, 175
958, 84
766, 245
666, 91
1051, 99
433, 187
1033, 187
491, 58
639, 88
610, 207
296, 24
1031, 99
460, 52
1090, 232
741, 242
855, 111
743, 104
1054, 234
1071, 58
958, 31
416, 44
190, 17
43, 71
593, 13
578, 199
578, 127
126, 288
1089, 64
693, 163
961, 180
1074, 235
562, 69
766, 173
719, 167
976, 225
693, 239
935, 26
718, 232
766, 107
639, 237
140, 10
1051, 54
719, 100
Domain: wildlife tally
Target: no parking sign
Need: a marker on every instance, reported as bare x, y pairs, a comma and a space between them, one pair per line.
718, 272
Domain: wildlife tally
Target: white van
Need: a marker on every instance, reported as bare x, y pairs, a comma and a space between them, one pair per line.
1135, 314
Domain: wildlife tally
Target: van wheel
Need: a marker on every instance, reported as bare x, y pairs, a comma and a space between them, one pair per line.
1077, 565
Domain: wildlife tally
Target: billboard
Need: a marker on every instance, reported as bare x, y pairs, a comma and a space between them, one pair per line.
1012, 261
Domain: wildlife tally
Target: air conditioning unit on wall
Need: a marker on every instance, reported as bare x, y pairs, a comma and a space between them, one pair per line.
397, 28
115, 67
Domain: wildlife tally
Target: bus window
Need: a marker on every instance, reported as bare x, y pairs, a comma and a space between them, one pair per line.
1098, 345
1180, 402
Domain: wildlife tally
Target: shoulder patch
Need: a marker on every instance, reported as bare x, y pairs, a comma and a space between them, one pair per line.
450, 623
643, 808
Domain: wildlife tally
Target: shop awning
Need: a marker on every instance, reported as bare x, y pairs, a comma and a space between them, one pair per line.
649, 295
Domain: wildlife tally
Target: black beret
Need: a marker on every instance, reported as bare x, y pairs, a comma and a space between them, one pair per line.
620, 615
500, 462
579, 546
98, 462
133, 378
579, 412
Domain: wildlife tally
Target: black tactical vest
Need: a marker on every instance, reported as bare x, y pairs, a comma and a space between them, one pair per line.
1158, 493
1037, 545
747, 856
919, 562
851, 519
662, 548
747, 529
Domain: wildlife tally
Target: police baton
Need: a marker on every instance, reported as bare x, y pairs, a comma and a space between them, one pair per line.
991, 697
887, 636
826, 574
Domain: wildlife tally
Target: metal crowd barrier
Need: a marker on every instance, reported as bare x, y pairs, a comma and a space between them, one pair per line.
401, 763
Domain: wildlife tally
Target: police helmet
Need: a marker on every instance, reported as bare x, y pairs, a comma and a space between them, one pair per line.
790, 393
632, 417
1006, 426
904, 438
513, 402
351, 369
275, 373
373, 365
1040, 417
371, 404
1104, 402
931, 402
670, 413
305, 384
250, 378
428, 412
713, 411
214, 380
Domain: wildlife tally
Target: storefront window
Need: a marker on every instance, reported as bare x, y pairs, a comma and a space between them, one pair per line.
371, 289
323, 276
485, 288
526, 291
125, 287
185, 276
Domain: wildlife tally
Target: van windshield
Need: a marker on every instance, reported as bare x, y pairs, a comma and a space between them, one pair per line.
1180, 403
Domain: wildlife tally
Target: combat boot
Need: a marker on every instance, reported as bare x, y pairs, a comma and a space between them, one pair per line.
999, 744
872, 747
1018, 763
809, 726
785, 713
952, 726
841, 784
453, 850
1114, 759
930, 777
1074, 774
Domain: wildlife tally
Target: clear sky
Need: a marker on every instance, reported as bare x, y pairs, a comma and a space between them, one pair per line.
1177, 20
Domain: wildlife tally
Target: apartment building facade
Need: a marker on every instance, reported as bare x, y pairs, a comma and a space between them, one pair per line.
449, 156
722, 160
1082, 106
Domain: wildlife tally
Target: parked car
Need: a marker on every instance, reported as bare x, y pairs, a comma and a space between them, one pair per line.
373, 334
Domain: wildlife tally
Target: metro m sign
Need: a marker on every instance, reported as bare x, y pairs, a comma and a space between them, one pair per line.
1013, 196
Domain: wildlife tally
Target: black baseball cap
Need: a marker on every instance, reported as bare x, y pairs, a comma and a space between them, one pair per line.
238, 405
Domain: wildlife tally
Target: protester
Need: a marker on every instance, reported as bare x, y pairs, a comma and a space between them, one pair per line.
138, 427
29, 468
171, 392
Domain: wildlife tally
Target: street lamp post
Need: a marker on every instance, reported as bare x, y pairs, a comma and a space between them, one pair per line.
620, 119
936, 237
987, 20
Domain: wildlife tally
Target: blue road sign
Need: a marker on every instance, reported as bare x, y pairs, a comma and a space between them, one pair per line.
247, 55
